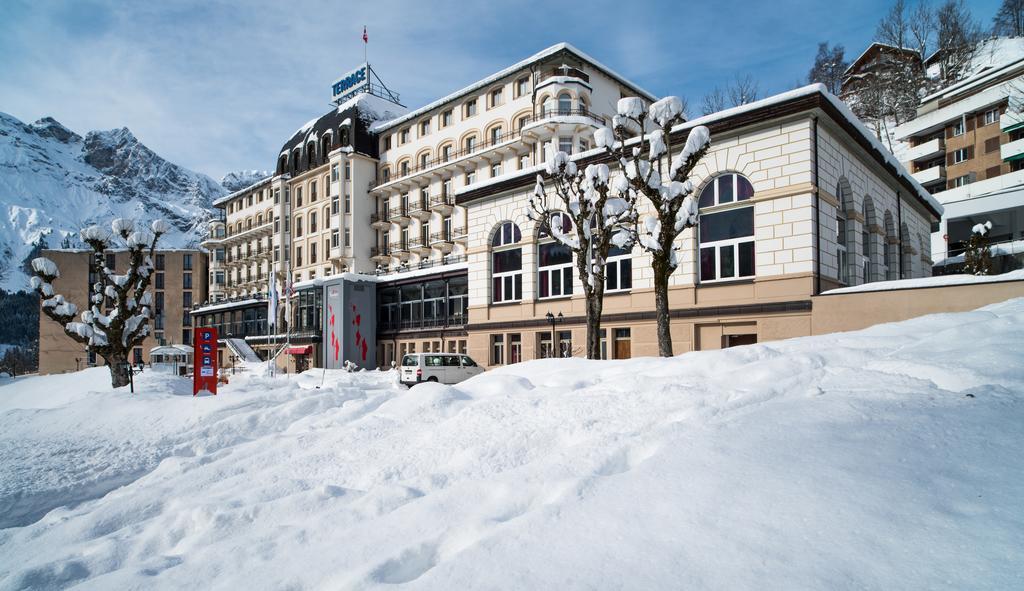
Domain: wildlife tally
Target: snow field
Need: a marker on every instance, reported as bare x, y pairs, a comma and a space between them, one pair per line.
883, 458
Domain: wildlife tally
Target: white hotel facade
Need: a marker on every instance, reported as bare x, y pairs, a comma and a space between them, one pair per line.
430, 206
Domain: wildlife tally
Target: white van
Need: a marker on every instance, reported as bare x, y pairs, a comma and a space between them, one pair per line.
445, 368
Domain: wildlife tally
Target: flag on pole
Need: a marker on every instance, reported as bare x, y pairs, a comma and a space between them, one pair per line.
272, 303
366, 39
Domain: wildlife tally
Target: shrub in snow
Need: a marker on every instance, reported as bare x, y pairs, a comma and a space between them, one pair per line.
978, 256
114, 322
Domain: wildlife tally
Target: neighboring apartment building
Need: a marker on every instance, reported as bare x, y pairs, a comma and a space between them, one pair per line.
796, 197
178, 283
966, 146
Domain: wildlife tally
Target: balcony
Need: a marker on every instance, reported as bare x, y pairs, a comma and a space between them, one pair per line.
380, 254
1012, 151
927, 150
442, 204
563, 72
380, 222
459, 233
442, 241
931, 175
399, 249
1010, 121
420, 245
399, 215
337, 253
419, 209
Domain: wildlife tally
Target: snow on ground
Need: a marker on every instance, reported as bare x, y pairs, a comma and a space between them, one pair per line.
887, 458
937, 281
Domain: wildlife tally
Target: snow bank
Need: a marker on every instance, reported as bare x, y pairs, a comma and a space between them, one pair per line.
887, 458
938, 281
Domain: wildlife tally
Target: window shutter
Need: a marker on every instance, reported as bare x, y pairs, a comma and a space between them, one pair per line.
970, 124
991, 145
949, 158
970, 152
949, 132
992, 172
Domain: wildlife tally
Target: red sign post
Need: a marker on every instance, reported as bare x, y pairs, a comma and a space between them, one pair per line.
204, 357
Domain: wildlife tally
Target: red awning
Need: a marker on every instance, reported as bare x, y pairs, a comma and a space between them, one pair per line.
303, 350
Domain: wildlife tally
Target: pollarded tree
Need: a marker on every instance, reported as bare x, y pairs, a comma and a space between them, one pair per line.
602, 212
664, 183
119, 305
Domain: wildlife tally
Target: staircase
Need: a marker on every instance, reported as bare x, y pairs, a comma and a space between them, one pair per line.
242, 350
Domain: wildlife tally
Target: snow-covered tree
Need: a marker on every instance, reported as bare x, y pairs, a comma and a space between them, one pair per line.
601, 212
1009, 20
829, 66
117, 318
653, 168
978, 256
957, 36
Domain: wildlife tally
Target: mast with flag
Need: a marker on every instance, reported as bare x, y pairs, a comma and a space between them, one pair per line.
272, 318
366, 41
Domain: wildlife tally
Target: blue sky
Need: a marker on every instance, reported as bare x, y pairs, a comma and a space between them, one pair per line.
218, 86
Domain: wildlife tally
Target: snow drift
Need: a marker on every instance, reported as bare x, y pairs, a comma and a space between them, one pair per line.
885, 458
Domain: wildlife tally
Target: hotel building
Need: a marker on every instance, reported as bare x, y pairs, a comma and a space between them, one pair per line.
428, 207
966, 146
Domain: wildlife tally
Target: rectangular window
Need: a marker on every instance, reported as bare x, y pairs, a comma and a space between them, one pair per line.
312, 253
334, 205
159, 280
958, 128
348, 203
497, 349
727, 244
298, 256
348, 170
495, 97
554, 270
515, 348
137, 354
312, 222
470, 108
565, 145
446, 118
186, 262
159, 262
334, 238
186, 336
618, 270
961, 181
496, 170
991, 116
277, 196
961, 155
522, 87
507, 275
334, 173
424, 127
298, 196
348, 237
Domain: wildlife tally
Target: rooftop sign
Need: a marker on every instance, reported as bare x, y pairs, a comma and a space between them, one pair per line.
351, 84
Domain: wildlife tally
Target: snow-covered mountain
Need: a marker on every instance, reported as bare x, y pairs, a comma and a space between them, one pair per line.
53, 182
236, 181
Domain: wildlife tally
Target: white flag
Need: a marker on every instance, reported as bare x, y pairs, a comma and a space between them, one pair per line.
272, 303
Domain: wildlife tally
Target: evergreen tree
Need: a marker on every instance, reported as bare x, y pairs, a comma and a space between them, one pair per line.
978, 256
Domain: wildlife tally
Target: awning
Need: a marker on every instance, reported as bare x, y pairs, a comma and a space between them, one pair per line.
303, 350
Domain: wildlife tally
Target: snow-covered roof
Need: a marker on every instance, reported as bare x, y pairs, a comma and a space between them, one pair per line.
230, 196
939, 281
875, 45
410, 274
508, 71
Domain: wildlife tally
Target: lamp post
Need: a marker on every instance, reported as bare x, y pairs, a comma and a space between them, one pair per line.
554, 336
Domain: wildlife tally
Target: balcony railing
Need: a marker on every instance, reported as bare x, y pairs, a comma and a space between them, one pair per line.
491, 142
418, 205
450, 321
459, 232
564, 72
425, 264
397, 212
442, 199
380, 251
440, 237
398, 247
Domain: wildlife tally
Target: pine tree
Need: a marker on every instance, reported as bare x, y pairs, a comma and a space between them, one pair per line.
117, 319
829, 67
978, 256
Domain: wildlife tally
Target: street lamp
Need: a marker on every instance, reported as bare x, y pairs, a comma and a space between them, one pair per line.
554, 336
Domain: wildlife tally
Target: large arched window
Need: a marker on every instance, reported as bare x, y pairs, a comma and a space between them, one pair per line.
554, 261
869, 243
506, 264
727, 233
889, 248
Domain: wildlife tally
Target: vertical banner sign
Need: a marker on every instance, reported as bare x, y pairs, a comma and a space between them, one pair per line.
204, 359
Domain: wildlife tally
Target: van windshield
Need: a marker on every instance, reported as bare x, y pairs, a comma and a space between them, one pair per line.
409, 360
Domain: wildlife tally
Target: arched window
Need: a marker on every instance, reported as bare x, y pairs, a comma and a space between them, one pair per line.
842, 256
905, 250
554, 260
403, 168
298, 226
889, 248
869, 245
506, 264
564, 104
469, 144
583, 104
726, 236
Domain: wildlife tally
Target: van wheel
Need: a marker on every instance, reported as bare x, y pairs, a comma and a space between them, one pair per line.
432, 379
